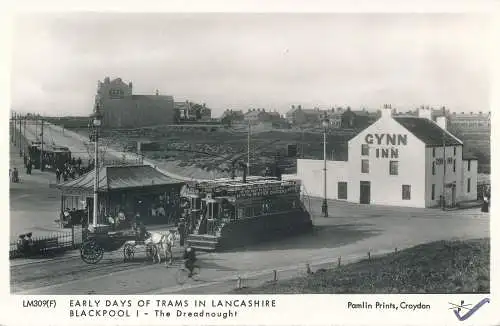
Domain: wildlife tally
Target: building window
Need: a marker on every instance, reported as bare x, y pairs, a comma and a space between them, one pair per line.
468, 165
433, 192
454, 151
342, 190
454, 165
434, 152
468, 184
406, 192
393, 168
365, 166
364, 149
433, 168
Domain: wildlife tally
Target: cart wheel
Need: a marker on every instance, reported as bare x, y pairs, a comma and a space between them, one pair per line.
128, 252
91, 252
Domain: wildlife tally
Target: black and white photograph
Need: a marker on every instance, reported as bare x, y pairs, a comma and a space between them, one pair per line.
250, 153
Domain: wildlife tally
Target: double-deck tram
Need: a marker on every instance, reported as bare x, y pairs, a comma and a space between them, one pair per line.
227, 213
55, 155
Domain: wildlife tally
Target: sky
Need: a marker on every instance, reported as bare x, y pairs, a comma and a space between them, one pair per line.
241, 61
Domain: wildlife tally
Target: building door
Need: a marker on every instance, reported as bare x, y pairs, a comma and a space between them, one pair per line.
364, 192
453, 196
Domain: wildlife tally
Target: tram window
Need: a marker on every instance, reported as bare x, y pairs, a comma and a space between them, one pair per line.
241, 213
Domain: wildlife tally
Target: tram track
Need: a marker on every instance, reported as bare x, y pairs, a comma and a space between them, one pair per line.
57, 271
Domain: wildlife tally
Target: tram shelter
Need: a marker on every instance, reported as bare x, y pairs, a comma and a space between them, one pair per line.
124, 191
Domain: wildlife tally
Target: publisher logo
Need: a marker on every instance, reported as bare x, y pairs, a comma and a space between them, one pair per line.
457, 309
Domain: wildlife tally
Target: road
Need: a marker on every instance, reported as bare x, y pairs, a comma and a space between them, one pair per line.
80, 146
350, 232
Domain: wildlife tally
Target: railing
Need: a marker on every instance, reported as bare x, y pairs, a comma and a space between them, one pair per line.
55, 241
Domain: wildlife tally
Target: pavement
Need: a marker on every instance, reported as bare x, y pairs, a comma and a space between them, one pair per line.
350, 233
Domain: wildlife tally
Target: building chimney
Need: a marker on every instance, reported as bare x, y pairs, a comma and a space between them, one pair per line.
442, 122
424, 112
300, 107
157, 92
293, 107
130, 85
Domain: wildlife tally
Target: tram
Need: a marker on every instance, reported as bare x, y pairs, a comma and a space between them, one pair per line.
233, 212
55, 155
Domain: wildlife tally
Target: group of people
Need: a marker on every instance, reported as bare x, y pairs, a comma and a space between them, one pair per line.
25, 243
72, 168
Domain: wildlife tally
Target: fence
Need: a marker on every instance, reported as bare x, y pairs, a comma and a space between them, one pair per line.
54, 241
275, 276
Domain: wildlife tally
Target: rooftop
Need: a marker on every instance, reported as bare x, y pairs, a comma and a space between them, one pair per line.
428, 131
121, 177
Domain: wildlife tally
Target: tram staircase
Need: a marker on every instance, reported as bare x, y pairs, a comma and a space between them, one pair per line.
204, 242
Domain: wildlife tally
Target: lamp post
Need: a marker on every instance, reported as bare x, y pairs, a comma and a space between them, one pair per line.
324, 206
97, 123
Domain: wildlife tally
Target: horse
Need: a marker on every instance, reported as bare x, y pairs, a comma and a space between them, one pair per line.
163, 243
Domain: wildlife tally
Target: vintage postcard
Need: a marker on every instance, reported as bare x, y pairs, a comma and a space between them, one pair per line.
243, 167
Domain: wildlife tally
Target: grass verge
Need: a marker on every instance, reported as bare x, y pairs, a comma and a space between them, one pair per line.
437, 267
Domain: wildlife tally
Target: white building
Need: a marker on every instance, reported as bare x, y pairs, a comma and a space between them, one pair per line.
397, 161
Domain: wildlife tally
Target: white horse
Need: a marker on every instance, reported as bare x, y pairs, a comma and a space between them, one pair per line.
163, 243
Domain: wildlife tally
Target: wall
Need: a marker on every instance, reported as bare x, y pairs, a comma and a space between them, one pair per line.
310, 172
472, 174
437, 179
386, 189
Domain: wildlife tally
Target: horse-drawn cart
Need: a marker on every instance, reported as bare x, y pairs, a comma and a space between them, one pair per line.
99, 241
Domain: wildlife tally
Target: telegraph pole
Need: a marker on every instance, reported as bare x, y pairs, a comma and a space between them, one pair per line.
12, 128
444, 173
248, 149
14, 124
20, 137
41, 148
24, 132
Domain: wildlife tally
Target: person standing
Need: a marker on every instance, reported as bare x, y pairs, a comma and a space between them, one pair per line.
29, 165
58, 175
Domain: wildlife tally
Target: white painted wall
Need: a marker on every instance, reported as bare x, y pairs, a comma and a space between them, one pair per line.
437, 179
386, 189
472, 174
312, 176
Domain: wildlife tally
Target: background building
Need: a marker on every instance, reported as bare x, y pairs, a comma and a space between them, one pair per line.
399, 161
122, 109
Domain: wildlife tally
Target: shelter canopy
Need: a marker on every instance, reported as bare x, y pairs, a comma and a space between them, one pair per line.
121, 178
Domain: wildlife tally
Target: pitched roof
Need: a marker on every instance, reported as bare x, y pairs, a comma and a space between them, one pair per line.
428, 131
469, 156
120, 177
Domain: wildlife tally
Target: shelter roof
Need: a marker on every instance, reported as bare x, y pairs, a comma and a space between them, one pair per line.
121, 177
